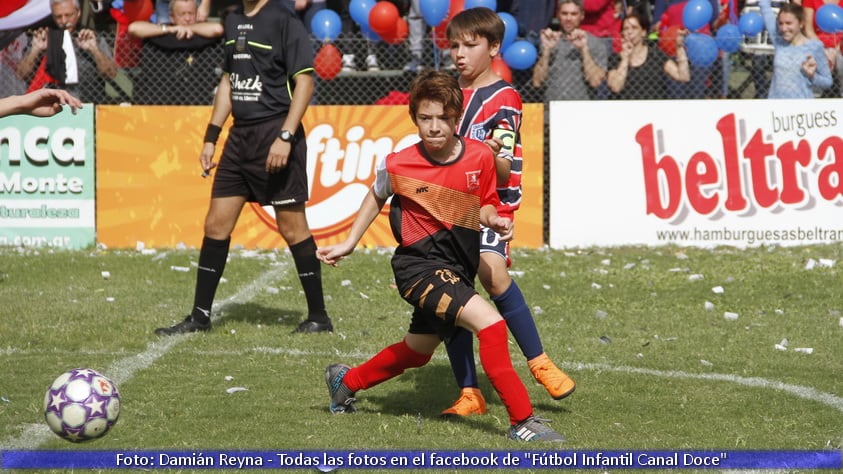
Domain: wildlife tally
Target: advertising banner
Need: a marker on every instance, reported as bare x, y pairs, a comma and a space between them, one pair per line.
47, 180
696, 173
150, 189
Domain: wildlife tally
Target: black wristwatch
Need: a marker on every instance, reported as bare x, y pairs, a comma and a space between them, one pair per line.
287, 136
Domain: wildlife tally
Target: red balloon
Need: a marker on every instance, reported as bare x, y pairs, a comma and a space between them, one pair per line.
667, 39
440, 35
455, 7
138, 9
500, 68
328, 62
383, 18
399, 34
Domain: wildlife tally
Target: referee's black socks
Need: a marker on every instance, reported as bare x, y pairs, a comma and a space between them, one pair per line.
310, 275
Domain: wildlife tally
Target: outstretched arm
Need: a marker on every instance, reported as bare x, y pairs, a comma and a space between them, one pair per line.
369, 210
41, 103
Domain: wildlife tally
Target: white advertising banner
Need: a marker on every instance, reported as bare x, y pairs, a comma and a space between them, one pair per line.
696, 173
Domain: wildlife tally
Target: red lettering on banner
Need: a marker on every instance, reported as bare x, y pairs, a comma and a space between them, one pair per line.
759, 174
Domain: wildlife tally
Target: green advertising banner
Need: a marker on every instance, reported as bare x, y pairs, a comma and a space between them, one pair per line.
47, 185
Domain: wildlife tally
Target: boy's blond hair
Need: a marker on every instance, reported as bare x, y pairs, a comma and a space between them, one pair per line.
477, 22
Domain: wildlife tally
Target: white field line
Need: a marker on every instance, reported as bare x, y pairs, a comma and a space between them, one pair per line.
33, 434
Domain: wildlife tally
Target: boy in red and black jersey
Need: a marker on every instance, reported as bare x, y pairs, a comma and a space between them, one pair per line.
443, 190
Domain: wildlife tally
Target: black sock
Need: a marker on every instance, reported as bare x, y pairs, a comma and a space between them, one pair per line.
212, 259
310, 275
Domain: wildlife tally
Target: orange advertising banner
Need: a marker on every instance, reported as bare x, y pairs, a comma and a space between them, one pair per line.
150, 189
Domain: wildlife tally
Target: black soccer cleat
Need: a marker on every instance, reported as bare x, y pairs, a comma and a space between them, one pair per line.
309, 326
187, 326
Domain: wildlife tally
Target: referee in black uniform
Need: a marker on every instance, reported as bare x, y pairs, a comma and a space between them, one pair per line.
266, 86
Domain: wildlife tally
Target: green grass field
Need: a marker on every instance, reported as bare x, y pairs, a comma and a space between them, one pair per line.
641, 330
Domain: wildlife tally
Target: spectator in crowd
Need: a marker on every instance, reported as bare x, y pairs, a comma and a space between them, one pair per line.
183, 25
831, 41
305, 9
10, 58
800, 64
179, 59
603, 20
437, 255
641, 70
163, 11
573, 63
667, 13
415, 41
75, 59
40, 103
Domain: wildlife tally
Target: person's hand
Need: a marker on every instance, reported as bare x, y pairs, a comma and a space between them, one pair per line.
181, 31
301, 5
680, 37
809, 66
279, 154
578, 38
626, 49
495, 144
504, 227
549, 38
87, 40
39, 40
48, 102
332, 254
206, 159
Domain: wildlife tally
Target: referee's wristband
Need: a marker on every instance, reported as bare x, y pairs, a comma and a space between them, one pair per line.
212, 133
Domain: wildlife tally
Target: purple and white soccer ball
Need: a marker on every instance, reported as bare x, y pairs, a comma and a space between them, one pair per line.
81, 405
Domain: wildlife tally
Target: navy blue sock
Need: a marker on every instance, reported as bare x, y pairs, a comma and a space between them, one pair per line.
461, 354
519, 320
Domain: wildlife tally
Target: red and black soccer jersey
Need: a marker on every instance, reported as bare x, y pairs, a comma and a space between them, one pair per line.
262, 55
436, 207
496, 106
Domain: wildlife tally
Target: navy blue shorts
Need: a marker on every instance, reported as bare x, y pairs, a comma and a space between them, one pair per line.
242, 167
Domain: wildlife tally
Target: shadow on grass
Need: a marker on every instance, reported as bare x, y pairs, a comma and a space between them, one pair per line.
253, 313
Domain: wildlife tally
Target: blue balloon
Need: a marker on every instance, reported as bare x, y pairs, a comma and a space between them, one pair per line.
751, 23
490, 4
326, 25
520, 55
434, 11
369, 34
728, 38
830, 18
359, 11
510, 31
696, 14
701, 49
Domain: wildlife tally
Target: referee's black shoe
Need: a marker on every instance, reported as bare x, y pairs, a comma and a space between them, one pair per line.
310, 326
188, 325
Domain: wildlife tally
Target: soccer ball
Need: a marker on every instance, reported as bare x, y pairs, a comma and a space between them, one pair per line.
81, 405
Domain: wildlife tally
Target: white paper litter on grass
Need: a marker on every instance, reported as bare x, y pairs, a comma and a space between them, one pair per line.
515, 273
600, 314
364, 296
826, 262
810, 264
629, 266
705, 363
345, 283
236, 389
272, 290
730, 316
695, 277
804, 350
596, 286
228, 378
177, 268
708, 305
110, 299
718, 289
780, 347
106, 275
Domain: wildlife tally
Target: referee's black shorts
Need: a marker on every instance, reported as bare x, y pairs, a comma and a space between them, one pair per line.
242, 167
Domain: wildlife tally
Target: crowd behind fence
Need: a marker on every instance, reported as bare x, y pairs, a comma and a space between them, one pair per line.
188, 76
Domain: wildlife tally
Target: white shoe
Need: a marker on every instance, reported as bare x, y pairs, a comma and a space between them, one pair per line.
372, 63
348, 63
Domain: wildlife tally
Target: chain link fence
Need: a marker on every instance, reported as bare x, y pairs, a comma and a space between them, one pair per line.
152, 74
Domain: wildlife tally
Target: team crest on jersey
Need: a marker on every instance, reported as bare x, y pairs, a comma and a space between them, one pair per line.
472, 180
477, 132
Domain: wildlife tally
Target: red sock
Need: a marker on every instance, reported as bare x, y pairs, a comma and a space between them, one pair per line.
388, 363
494, 356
